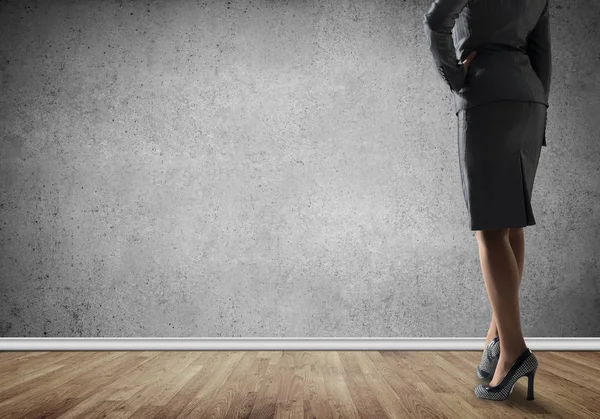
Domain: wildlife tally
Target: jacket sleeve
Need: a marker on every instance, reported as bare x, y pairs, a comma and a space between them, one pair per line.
438, 23
538, 50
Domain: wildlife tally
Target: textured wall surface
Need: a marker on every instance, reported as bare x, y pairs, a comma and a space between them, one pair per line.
269, 168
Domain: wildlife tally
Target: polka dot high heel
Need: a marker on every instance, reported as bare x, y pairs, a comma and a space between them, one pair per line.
525, 365
489, 360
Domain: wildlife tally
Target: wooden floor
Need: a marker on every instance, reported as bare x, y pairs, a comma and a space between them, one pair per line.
286, 384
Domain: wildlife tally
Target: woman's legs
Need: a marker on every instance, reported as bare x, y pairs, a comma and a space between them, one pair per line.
502, 280
517, 244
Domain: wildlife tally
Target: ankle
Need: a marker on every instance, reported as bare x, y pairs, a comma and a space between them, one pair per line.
490, 337
510, 355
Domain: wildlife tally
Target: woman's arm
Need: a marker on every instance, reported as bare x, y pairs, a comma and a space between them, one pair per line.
538, 49
540, 56
438, 23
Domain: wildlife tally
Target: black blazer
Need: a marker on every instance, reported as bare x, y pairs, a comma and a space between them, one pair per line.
512, 40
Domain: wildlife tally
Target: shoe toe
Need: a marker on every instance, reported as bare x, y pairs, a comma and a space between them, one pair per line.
480, 391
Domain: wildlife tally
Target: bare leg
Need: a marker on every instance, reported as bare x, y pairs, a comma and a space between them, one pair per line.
516, 238
517, 243
502, 280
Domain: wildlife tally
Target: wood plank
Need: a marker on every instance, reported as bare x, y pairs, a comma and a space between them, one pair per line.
365, 401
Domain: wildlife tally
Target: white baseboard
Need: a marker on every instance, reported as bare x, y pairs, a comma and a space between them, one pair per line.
284, 344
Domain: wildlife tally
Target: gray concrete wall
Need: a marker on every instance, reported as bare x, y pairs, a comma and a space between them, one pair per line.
269, 168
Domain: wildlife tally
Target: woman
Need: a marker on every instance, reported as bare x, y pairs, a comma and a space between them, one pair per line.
500, 88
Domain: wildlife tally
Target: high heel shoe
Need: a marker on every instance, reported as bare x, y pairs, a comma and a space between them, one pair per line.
525, 365
489, 360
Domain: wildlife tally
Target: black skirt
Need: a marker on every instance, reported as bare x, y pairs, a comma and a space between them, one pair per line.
499, 146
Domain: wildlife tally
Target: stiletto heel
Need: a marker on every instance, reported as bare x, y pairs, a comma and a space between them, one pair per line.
526, 364
530, 377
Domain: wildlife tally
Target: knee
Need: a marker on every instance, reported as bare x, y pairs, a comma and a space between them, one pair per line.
492, 236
